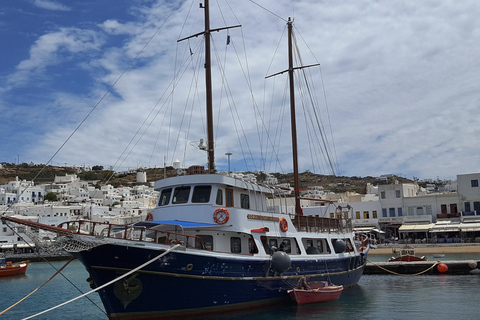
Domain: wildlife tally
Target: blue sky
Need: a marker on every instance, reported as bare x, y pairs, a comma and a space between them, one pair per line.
401, 81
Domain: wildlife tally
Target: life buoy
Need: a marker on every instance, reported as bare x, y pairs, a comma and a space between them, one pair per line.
283, 224
149, 217
221, 215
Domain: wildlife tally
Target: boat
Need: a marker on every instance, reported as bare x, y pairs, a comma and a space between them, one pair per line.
213, 243
7, 268
406, 254
320, 291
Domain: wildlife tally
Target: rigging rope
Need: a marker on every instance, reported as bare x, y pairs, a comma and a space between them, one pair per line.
28, 295
9, 225
106, 284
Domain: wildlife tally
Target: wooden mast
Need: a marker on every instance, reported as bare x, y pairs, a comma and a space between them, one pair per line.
296, 183
208, 83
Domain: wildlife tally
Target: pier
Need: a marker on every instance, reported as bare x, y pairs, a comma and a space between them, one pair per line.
462, 267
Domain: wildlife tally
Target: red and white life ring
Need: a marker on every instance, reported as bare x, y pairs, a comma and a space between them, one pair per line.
149, 217
283, 224
221, 215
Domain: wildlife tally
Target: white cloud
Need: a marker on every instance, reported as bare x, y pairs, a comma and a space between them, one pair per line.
54, 48
51, 5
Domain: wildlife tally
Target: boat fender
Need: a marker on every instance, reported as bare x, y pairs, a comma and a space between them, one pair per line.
339, 246
149, 217
283, 224
221, 215
281, 261
442, 268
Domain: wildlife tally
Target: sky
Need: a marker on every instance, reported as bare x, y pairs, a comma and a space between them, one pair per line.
400, 80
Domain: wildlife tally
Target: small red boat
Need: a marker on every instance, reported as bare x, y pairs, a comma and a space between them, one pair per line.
320, 291
9, 269
406, 254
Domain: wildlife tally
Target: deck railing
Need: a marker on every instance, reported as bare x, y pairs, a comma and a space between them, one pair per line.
130, 232
320, 224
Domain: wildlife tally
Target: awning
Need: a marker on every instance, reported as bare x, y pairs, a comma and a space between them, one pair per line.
17, 245
415, 227
446, 227
407, 228
466, 227
363, 229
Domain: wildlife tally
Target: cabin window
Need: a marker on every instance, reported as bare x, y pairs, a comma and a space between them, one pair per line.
286, 246
316, 246
273, 243
348, 245
207, 242
265, 244
219, 200
252, 247
311, 249
180, 195
245, 201
320, 245
165, 197
201, 194
235, 245
229, 197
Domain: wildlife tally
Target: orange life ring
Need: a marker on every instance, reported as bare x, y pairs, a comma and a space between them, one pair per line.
221, 215
283, 224
149, 217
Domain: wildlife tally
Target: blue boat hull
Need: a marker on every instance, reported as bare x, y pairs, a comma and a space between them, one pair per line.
181, 284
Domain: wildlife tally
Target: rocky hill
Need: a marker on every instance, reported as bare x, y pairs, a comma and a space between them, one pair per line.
42, 174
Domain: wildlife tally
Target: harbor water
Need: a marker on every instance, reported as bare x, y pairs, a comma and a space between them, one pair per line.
375, 297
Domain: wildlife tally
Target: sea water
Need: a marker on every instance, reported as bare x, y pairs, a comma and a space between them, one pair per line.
375, 297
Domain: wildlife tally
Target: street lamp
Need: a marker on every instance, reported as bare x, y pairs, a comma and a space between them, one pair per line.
228, 154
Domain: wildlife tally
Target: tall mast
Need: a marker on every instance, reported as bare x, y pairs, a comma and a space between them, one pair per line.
296, 184
208, 83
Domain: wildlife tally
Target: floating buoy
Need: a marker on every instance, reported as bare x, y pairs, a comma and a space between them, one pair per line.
472, 264
442, 268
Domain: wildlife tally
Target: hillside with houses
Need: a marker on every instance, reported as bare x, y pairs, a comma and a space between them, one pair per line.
387, 208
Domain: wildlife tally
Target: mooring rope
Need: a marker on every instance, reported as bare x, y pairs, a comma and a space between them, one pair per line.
28, 295
106, 284
402, 274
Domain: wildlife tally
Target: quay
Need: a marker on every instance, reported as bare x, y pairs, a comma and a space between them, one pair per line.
460, 267
38, 257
